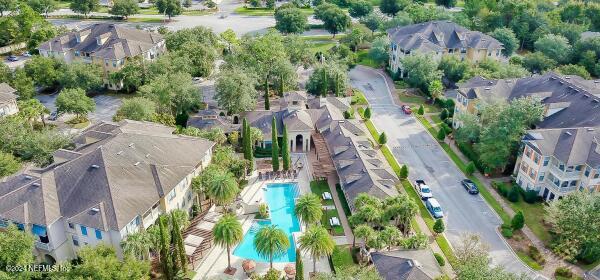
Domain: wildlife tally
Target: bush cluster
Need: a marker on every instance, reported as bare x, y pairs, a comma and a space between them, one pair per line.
439, 259
535, 254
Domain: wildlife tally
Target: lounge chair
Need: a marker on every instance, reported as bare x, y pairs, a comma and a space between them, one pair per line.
334, 221
326, 196
259, 175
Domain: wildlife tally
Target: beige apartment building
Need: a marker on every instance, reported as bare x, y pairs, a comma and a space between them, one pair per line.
439, 38
8, 100
107, 45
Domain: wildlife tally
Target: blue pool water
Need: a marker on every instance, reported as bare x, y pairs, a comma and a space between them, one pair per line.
280, 198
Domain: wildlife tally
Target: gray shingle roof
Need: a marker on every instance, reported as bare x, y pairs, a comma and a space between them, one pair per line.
573, 146
576, 100
395, 266
120, 42
119, 174
7, 93
439, 35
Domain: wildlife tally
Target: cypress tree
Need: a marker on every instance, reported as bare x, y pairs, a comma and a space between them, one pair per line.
382, 138
179, 257
337, 85
274, 145
367, 113
285, 153
164, 249
325, 85
247, 140
267, 102
299, 266
281, 86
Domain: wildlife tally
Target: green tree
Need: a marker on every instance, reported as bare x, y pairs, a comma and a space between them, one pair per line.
84, 6
373, 21
444, 114
389, 236
421, 70
45, 71
274, 145
350, 272
137, 109
382, 138
290, 19
317, 242
537, 62
299, 266
165, 243
446, 3
179, 257
359, 8
32, 110
421, 110
379, 50
441, 135
367, 113
16, 249
124, 8
573, 69
74, 101
572, 218
23, 84
221, 186
227, 233
308, 209
285, 150
8, 164
334, 18
169, 8
7, 6
473, 262
230, 38
235, 91
137, 245
435, 89
453, 68
439, 227
470, 168
173, 93
404, 171
267, 101
247, 140
323, 79
82, 75
392, 7
518, 221
556, 47
364, 232
201, 57
400, 19
200, 34
508, 38
270, 242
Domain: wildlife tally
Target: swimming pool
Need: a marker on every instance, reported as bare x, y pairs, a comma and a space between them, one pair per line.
280, 198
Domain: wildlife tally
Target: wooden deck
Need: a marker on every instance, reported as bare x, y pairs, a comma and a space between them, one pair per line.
322, 166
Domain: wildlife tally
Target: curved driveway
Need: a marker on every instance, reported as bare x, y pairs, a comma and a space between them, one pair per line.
413, 145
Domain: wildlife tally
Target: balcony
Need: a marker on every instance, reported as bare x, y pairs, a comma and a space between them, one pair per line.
565, 175
558, 190
43, 246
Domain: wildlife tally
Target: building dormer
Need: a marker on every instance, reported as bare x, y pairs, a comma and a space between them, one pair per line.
81, 36
100, 40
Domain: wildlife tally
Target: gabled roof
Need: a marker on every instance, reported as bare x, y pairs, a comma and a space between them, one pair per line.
406, 265
435, 36
7, 93
572, 146
116, 42
116, 172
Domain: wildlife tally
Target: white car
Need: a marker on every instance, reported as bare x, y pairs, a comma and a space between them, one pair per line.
423, 189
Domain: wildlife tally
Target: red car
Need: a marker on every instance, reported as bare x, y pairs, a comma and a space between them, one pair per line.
406, 109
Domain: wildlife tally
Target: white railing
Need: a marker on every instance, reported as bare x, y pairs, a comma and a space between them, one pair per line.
43, 246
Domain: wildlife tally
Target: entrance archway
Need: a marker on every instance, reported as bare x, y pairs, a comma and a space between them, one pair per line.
49, 259
299, 143
236, 120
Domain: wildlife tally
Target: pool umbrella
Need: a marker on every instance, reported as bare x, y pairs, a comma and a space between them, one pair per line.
248, 266
290, 270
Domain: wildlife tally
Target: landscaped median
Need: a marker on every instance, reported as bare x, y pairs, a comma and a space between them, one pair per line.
319, 187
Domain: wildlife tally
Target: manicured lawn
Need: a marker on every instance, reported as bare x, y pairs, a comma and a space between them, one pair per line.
149, 11
249, 11
359, 98
529, 261
341, 257
335, 230
318, 188
364, 59
343, 200
436, 119
416, 100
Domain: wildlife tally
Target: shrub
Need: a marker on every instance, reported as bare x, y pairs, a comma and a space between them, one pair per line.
502, 188
448, 121
535, 254
531, 196
513, 194
404, 172
563, 272
441, 135
438, 227
507, 232
439, 259
263, 210
382, 138
590, 253
470, 168
446, 128
518, 221
444, 114
421, 110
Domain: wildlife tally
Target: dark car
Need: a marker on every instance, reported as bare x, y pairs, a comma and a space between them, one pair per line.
470, 186
53, 116
13, 58
406, 109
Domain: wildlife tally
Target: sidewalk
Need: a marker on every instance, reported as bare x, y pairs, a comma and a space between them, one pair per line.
447, 269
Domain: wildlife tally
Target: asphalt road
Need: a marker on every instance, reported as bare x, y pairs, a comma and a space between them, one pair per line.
413, 145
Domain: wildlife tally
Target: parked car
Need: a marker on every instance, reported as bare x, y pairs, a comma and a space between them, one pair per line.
53, 116
26, 54
13, 58
434, 208
470, 186
423, 189
406, 109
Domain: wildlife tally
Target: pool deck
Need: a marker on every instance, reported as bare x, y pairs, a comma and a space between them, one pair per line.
215, 262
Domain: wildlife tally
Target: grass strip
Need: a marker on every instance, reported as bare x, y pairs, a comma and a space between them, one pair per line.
529, 261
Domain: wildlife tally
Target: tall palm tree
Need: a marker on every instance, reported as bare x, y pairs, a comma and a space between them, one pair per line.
137, 245
390, 236
364, 232
308, 209
228, 232
317, 242
221, 186
270, 242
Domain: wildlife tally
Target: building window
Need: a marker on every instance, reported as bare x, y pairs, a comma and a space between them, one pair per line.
75, 241
98, 235
542, 175
578, 167
573, 183
83, 230
536, 158
561, 167
463, 50
596, 175
528, 152
587, 171
138, 221
71, 226
546, 161
172, 195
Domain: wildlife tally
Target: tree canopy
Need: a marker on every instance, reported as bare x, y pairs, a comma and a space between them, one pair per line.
290, 19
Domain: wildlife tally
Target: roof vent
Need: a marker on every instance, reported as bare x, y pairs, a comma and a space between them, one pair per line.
147, 155
570, 87
567, 77
488, 88
596, 101
95, 166
27, 177
490, 83
568, 133
586, 96
136, 163
119, 152
552, 78
561, 82
590, 129
94, 210
36, 184
130, 145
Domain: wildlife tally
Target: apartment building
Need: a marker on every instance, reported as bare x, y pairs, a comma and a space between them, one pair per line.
558, 161
8, 100
107, 45
439, 38
117, 180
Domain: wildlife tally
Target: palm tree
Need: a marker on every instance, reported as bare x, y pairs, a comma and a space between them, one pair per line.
317, 242
364, 232
390, 236
308, 209
228, 232
270, 242
137, 245
199, 189
221, 186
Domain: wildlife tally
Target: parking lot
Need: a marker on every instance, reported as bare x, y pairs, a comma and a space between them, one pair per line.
106, 106
15, 64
